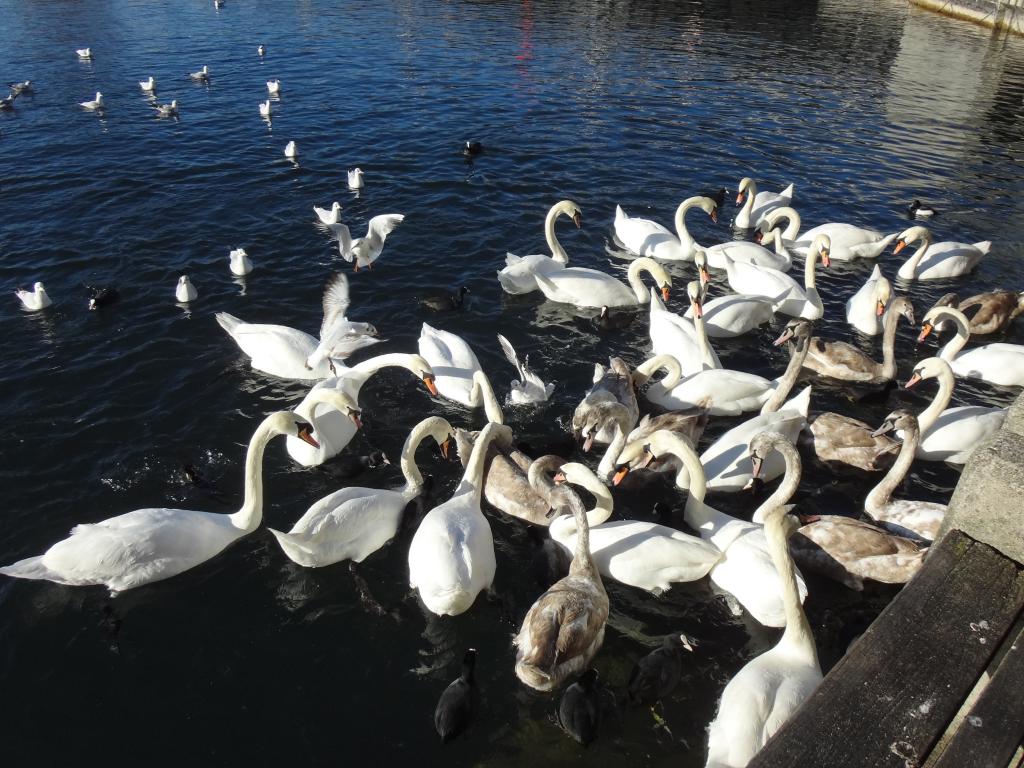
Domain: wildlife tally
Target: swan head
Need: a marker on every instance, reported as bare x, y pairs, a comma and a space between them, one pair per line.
883, 294
912, 235
337, 400
600, 416
821, 247
898, 419
762, 444
700, 258
745, 184
421, 368
901, 305
696, 296
291, 424
935, 315
929, 368
709, 206
798, 328
635, 455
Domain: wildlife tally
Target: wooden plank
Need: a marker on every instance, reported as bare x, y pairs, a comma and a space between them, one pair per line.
994, 728
887, 701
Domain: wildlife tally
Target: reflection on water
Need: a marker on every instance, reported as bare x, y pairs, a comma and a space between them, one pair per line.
639, 104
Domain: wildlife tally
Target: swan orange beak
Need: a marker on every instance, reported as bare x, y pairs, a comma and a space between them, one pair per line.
577, 219
306, 435
925, 330
912, 381
756, 463
620, 475
825, 260
446, 447
698, 311
559, 478
588, 443
879, 308
665, 292
786, 336
714, 215
758, 236
431, 386
900, 245
739, 198
704, 275
354, 415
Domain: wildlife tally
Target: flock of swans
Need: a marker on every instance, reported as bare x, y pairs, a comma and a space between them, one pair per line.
451, 557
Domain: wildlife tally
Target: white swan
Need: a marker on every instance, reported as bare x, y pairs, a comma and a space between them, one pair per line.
355, 178
458, 375
334, 428
770, 688
644, 237
184, 291
933, 261
746, 570
950, 434
684, 339
363, 251
726, 464
35, 299
592, 288
913, 518
848, 242
353, 523
291, 151
239, 262
1001, 364
865, 308
451, 557
273, 87
148, 85
292, 354
265, 110
724, 392
787, 296
758, 204
518, 275
94, 105
752, 253
328, 215
529, 387
148, 545
643, 555
733, 315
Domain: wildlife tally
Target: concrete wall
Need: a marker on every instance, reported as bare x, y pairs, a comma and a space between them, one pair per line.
1008, 14
988, 503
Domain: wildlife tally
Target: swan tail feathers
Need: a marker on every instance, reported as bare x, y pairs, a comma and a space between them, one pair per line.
787, 192
228, 322
620, 215
983, 246
31, 568
511, 259
876, 272
297, 547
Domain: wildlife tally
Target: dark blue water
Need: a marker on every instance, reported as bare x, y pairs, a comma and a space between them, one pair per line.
250, 659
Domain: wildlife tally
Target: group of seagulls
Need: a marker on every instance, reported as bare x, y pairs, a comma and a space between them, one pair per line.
452, 555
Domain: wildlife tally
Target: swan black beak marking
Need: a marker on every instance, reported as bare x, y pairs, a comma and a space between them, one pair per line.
665, 292
354, 415
306, 435
446, 447
914, 380
925, 330
887, 426
577, 219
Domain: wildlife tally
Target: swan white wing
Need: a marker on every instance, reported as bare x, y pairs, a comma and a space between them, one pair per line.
276, 349
1001, 364
861, 307
642, 237
727, 462
957, 431
333, 429
731, 392
452, 361
350, 524
947, 259
746, 252
733, 315
585, 288
676, 336
752, 280
138, 547
518, 275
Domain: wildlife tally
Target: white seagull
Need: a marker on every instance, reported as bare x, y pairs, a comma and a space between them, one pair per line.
530, 388
35, 299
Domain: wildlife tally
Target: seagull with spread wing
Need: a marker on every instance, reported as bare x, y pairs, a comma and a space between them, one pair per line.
365, 250
339, 336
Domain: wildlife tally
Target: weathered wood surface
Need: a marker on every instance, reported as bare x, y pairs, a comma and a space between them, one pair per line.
892, 696
994, 727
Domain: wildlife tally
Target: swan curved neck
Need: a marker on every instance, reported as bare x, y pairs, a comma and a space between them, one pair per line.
810, 264
607, 466
682, 232
668, 363
793, 222
602, 509
706, 353
410, 470
784, 384
557, 251
537, 475
748, 204
482, 389
633, 275
892, 319
963, 333
798, 630
249, 517
914, 260
474, 474
788, 486
880, 495
696, 513
930, 415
